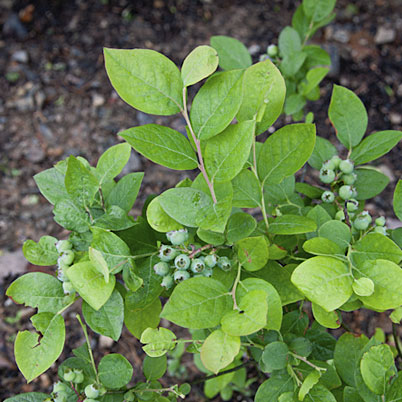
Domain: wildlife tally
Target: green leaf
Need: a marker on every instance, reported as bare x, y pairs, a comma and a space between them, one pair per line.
319, 215
216, 104
146, 80
294, 103
154, 367
225, 154
72, 217
322, 246
246, 190
239, 226
114, 371
369, 183
252, 252
263, 95
398, 200
363, 287
375, 145
34, 356
396, 315
347, 355
348, 115
319, 393
274, 315
199, 64
285, 152
114, 218
272, 388
325, 281
325, 318
211, 237
39, 290
336, 231
112, 162
42, 253
162, 145
125, 192
80, 183
323, 150
100, 264
158, 341
292, 224
316, 56
275, 356
387, 278
197, 303
394, 392
158, 219
219, 350
108, 320
374, 246
318, 9
28, 397
313, 79
51, 185
308, 383
41, 321
250, 317
376, 368
289, 42
232, 53
90, 284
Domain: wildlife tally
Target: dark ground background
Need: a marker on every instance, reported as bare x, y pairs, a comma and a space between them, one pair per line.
55, 100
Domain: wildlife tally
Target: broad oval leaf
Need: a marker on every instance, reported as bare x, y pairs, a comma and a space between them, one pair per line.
271, 389
318, 9
28, 397
369, 183
292, 224
232, 53
158, 219
246, 190
252, 252
51, 185
325, 318
42, 253
146, 80
112, 162
114, 371
323, 150
239, 226
154, 367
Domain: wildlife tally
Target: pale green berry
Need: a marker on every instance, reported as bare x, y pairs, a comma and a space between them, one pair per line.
224, 263
207, 272
361, 223
63, 245
69, 375
161, 268
327, 175
328, 196
66, 258
352, 205
340, 215
167, 281
129, 396
336, 160
181, 275
346, 166
330, 164
182, 261
380, 221
272, 50
197, 265
381, 229
346, 192
177, 237
68, 288
167, 253
366, 215
354, 192
59, 387
349, 178
91, 391
61, 397
210, 260
79, 376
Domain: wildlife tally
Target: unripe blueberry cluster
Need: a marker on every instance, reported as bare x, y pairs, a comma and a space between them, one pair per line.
66, 258
178, 263
73, 375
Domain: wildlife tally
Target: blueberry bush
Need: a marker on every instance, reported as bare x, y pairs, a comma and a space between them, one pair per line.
255, 265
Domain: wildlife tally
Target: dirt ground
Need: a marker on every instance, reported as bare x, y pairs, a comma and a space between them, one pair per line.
55, 100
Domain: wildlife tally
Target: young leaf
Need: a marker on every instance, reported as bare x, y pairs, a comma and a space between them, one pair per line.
313, 79
275, 356
312, 379
158, 341
219, 350
240, 225
289, 42
336, 231
325, 318
252, 252
51, 185
316, 56
285, 152
108, 320
39, 290
398, 200
292, 224
71, 216
232, 53
112, 162
154, 367
246, 190
34, 357
42, 253
225, 154
294, 103
158, 219
325, 281
369, 183
276, 385
197, 303
317, 10
216, 104
125, 192
96, 257
199, 64
323, 150
348, 115
115, 371
133, 75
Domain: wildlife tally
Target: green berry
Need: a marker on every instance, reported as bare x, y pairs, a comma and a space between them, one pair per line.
69, 375
366, 215
91, 391
207, 272
381, 229
349, 178
346, 192
59, 387
197, 265
328, 196
352, 205
327, 175
182, 261
177, 237
66, 258
346, 166
330, 164
79, 376
129, 396
224, 263
272, 50
210, 260
336, 160
340, 215
63, 245
167, 253
61, 397
68, 289
161, 268
361, 223
380, 221
167, 281
181, 275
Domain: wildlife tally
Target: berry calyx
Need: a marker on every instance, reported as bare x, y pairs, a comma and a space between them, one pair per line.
327, 175
346, 166
380, 221
210, 260
182, 262
362, 221
180, 275
346, 192
352, 205
167, 281
79, 376
328, 197
68, 375
167, 253
68, 289
161, 268
197, 265
329, 164
177, 237
224, 263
